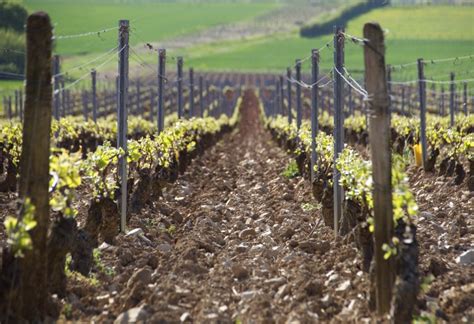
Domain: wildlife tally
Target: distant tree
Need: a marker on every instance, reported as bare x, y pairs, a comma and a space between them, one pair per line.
12, 16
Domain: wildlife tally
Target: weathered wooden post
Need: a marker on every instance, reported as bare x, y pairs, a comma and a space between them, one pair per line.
122, 126
180, 86
161, 91
32, 295
464, 101
288, 94
314, 109
379, 132
452, 89
276, 102
338, 123
94, 95
191, 92
298, 94
422, 98
201, 97
282, 96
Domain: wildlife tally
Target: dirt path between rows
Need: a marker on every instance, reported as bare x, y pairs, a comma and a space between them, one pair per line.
231, 241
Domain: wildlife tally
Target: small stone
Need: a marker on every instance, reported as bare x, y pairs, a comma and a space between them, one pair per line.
437, 267
467, 258
133, 315
241, 248
239, 272
275, 282
165, 247
141, 276
288, 233
282, 291
177, 217
249, 294
247, 233
104, 247
314, 288
426, 215
134, 232
308, 246
344, 286
153, 261
185, 316
125, 257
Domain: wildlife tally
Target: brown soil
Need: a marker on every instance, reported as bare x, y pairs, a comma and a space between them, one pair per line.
233, 239
243, 247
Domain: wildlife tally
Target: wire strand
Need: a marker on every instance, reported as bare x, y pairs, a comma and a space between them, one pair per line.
87, 63
88, 74
102, 31
362, 92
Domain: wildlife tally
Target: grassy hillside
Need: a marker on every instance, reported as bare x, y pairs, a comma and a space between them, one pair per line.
149, 22
412, 32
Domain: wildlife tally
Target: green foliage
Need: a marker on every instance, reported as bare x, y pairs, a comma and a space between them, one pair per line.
98, 170
66, 177
100, 266
12, 16
307, 207
291, 171
17, 229
12, 39
67, 310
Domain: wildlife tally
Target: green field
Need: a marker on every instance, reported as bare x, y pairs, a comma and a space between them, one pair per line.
412, 32
149, 21
428, 32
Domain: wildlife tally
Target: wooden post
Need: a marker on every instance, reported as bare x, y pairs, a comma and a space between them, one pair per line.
452, 89
94, 95
56, 67
465, 98
288, 94
191, 92
161, 90
422, 98
30, 304
379, 132
277, 97
122, 126
314, 109
282, 95
180, 86
10, 110
338, 123
201, 97
298, 94
208, 95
